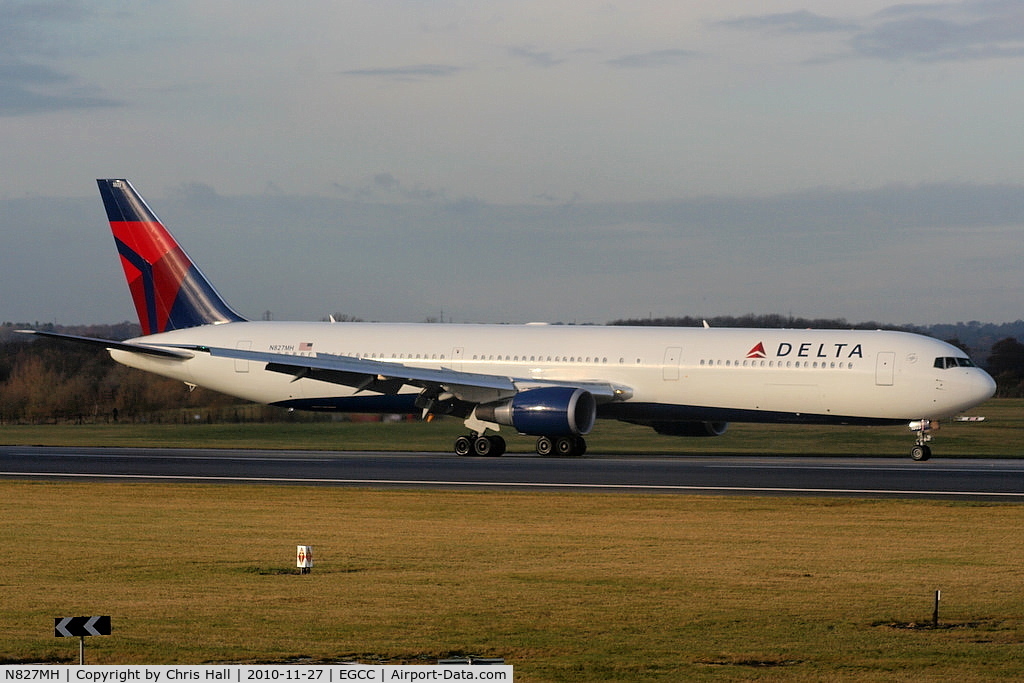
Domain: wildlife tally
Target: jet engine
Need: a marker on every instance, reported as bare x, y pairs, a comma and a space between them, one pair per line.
546, 411
690, 428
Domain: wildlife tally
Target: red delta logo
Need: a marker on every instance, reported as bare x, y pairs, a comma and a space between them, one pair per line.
757, 351
809, 350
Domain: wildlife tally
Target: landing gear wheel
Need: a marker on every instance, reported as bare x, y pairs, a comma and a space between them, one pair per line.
463, 446
497, 445
920, 453
545, 446
482, 446
564, 445
570, 446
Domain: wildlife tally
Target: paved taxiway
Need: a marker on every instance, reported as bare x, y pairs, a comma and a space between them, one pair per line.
987, 479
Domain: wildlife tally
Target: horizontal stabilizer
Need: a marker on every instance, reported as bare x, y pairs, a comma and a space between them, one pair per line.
179, 354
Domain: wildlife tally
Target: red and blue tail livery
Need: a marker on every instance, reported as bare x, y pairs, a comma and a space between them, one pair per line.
169, 291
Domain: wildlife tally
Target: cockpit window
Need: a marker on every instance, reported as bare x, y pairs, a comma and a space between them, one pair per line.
943, 363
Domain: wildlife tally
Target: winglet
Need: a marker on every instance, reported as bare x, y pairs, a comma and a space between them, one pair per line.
168, 289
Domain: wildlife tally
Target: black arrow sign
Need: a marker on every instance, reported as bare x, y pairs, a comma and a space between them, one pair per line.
67, 627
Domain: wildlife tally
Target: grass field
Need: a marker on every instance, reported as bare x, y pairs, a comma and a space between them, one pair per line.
1002, 435
566, 587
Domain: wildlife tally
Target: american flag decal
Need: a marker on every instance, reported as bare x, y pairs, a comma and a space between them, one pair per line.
306, 346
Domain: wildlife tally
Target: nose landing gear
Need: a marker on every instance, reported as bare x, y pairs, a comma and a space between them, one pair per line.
921, 450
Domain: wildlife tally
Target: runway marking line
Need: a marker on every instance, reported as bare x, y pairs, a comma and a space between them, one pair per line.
414, 482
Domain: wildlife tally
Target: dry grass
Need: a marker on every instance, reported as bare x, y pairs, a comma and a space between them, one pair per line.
564, 586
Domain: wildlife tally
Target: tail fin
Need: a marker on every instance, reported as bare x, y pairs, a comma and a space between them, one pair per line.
169, 291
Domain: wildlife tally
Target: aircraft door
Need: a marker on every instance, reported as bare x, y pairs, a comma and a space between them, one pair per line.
885, 367
457, 354
670, 366
242, 365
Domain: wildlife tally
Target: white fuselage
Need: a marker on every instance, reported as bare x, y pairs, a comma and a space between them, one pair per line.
752, 375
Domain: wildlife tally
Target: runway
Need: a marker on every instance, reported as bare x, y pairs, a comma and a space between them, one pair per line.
988, 479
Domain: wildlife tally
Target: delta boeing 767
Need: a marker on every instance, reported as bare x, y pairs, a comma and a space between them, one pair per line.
548, 381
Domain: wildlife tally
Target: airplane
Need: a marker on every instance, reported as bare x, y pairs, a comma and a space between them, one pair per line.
548, 381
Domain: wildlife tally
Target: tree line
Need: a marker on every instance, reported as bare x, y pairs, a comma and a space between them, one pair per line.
44, 380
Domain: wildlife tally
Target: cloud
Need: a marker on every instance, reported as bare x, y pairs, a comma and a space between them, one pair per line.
961, 31
956, 32
385, 187
800, 21
536, 57
414, 72
197, 194
17, 101
29, 33
655, 59
27, 27
34, 88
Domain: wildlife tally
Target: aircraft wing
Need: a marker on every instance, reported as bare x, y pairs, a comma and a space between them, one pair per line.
389, 378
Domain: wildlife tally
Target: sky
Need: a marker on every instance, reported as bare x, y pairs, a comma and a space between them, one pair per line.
520, 160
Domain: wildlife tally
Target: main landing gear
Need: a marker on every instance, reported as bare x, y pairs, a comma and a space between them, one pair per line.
566, 446
480, 445
493, 445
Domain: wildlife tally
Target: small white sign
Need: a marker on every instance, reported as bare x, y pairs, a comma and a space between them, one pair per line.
304, 557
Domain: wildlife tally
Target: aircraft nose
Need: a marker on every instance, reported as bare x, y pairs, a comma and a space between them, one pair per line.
984, 385
969, 390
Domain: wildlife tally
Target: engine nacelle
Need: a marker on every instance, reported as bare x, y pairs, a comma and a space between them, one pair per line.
690, 428
547, 411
